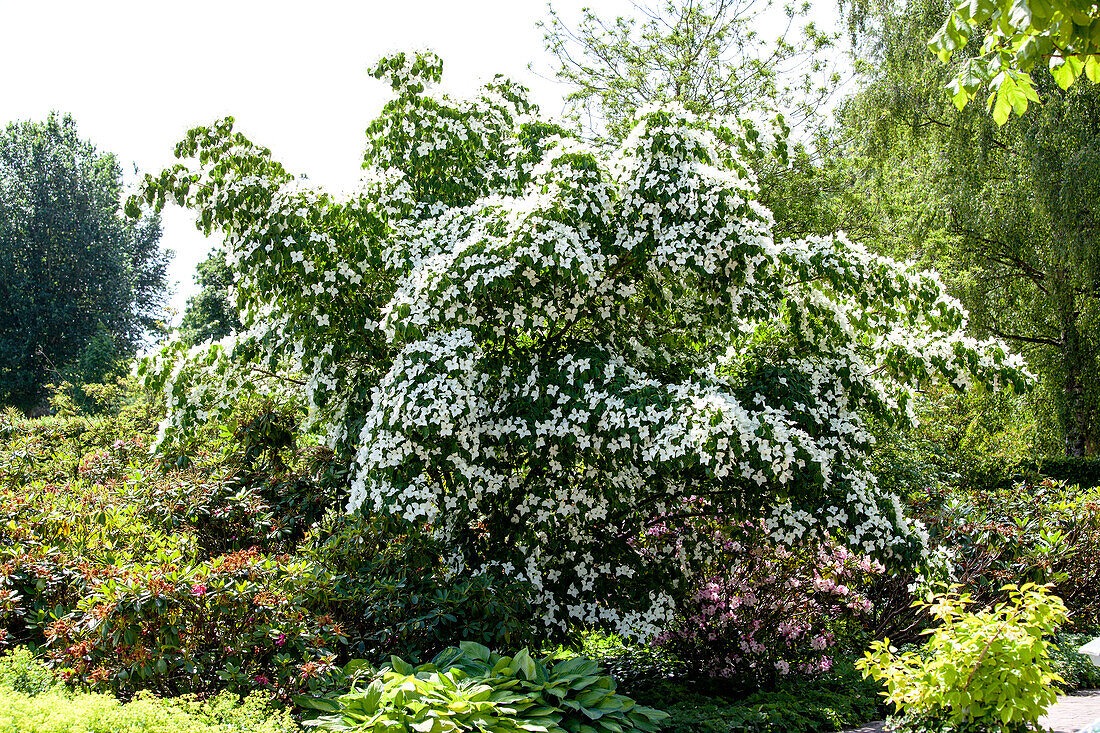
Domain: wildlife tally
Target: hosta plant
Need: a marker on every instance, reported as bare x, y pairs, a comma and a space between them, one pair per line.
469, 688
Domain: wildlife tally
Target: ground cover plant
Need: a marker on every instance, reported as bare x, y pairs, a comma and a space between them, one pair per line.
36, 701
469, 687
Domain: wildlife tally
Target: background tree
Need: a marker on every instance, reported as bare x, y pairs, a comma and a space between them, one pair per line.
713, 58
708, 55
1062, 36
71, 267
211, 314
1008, 213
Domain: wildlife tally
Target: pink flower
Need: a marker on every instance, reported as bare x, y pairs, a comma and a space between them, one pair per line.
280, 639
198, 589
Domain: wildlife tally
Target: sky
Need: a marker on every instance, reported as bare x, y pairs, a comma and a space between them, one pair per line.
137, 74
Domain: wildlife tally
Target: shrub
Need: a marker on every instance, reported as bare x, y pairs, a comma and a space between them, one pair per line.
984, 671
468, 688
392, 595
21, 671
57, 711
33, 701
1076, 670
772, 612
1043, 532
238, 621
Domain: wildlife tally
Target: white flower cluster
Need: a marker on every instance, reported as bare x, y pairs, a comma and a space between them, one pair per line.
553, 355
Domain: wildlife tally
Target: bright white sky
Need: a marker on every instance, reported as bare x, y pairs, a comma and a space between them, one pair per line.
137, 74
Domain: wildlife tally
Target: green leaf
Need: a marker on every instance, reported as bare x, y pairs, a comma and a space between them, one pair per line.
1092, 68
479, 652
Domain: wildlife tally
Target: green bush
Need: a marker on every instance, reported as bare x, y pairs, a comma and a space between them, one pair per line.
239, 621
468, 688
392, 595
1076, 670
33, 701
984, 671
1084, 472
21, 671
57, 711
1044, 532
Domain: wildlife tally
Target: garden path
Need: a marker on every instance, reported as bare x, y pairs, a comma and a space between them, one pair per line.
1071, 714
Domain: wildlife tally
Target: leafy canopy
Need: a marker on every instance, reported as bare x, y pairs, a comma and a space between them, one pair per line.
1019, 36
707, 55
75, 277
551, 354
1007, 213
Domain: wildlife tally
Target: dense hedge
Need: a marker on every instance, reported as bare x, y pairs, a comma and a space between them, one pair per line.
1084, 472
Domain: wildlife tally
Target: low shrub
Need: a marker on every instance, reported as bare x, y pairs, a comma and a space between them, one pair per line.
32, 700
240, 621
1045, 532
1076, 670
468, 688
57, 711
984, 671
772, 612
392, 595
21, 671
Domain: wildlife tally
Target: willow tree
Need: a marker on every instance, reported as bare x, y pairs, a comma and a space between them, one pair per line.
1010, 214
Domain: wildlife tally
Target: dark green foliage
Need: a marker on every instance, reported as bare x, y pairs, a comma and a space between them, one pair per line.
240, 621
1075, 668
638, 668
841, 700
211, 314
392, 597
79, 286
1084, 472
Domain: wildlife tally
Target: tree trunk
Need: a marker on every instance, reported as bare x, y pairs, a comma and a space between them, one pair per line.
1076, 414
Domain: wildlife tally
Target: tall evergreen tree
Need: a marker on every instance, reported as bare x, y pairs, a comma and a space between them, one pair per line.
211, 313
73, 271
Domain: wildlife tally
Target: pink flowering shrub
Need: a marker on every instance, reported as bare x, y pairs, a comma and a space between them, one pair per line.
772, 612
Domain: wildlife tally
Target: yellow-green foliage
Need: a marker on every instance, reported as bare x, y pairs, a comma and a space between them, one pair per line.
989, 670
32, 700
56, 711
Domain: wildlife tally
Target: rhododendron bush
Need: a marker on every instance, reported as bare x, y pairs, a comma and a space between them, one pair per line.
542, 349
769, 612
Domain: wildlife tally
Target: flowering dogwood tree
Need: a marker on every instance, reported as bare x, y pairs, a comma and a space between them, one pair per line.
551, 354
